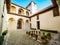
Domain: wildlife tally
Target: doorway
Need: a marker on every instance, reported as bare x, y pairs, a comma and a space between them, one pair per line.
19, 24
38, 24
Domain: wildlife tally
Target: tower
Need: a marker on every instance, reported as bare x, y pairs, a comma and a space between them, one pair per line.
32, 7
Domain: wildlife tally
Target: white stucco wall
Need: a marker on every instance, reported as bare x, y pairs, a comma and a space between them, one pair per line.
47, 21
33, 8
30, 8
6, 25
13, 25
33, 22
17, 9
4, 22
1, 11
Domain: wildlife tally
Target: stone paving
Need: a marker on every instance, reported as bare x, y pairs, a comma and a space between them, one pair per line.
55, 40
20, 38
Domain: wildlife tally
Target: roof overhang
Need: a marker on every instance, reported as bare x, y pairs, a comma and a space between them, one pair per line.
8, 5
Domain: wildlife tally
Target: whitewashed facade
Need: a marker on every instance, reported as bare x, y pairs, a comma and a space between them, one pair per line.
20, 18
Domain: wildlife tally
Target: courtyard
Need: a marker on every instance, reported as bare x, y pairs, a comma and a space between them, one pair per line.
30, 22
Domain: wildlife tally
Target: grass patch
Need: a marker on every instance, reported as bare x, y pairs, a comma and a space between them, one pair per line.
33, 28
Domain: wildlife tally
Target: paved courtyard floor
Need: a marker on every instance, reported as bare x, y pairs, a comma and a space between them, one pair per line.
20, 38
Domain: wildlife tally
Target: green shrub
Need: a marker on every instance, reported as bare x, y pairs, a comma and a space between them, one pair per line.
4, 33
44, 41
43, 33
36, 36
42, 37
49, 34
1, 39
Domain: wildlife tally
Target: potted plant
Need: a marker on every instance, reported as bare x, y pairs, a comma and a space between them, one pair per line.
26, 32
49, 36
36, 36
4, 33
43, 40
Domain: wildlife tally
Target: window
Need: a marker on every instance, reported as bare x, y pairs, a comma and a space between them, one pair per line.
27, 13
21, 11
11, 19
30, 19
37, 17
38, 24
30, 25
13, 9
19, 24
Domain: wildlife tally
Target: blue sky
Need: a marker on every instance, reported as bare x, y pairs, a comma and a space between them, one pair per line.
41, 4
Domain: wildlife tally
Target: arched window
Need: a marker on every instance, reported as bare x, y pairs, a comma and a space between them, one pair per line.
13, 9
19, 24
11, 19
27, 13
21, 11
